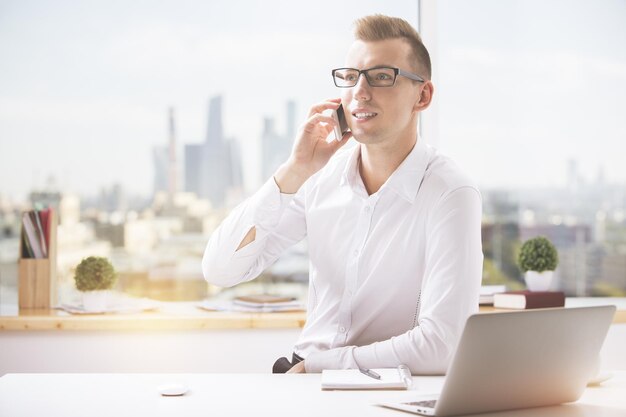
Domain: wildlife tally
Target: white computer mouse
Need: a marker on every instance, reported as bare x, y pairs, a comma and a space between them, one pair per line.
172, 390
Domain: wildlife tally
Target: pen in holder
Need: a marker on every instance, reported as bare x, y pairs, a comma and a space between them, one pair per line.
37, 284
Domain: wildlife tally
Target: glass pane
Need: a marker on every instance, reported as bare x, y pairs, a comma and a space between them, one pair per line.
530, 97
120, 115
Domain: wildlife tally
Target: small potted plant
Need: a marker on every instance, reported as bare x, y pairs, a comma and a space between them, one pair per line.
94, 277
538, 258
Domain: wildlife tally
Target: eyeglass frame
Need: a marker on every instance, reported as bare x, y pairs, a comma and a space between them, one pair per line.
397, 71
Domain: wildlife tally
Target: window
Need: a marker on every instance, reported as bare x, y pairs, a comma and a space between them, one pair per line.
93, 95
529, 101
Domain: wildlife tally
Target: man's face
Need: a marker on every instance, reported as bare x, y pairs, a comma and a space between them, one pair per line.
390, 110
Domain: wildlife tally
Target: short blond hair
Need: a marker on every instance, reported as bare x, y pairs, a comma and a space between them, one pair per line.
379, 27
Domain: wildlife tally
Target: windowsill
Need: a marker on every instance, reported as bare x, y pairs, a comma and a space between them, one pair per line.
187, 316
171, 316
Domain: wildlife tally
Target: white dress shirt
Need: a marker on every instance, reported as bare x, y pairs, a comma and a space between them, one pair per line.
393, 275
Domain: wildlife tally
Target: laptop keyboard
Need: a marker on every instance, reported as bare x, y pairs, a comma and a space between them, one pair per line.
427, 404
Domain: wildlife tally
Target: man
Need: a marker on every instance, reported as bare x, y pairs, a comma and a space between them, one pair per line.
393, 227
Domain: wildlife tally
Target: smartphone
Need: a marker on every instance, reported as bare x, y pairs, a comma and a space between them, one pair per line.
342, 126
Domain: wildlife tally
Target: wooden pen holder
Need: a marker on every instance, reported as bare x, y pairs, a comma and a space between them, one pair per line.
37, 283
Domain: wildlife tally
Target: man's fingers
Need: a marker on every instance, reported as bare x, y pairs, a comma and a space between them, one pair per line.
332, 103
315, 120
346, 137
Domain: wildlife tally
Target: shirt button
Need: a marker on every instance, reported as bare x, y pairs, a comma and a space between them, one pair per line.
342, 329
367, 209
355, 253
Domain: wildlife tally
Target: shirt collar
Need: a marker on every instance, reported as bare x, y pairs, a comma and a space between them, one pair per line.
405, 180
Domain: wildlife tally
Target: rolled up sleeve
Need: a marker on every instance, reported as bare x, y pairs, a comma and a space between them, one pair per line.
279, 222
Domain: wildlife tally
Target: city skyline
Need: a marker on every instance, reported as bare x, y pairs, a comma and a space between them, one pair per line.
571, 168
163, 242
86, 104
271, 131
276, 129
586, 222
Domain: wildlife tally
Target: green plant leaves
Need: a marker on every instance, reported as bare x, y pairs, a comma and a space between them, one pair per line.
95, 273
538, 254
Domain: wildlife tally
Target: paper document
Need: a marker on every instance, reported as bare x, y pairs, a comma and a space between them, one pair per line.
354, 379
229, 305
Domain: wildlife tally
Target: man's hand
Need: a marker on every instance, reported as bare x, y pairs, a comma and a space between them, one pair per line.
298, 368
310, 151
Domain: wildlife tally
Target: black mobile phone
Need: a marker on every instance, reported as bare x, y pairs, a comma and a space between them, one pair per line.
340, 118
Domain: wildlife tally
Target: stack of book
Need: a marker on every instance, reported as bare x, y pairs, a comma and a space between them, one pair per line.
268, 303
261, 303
487, 292
37, 286
36, 226
522, 300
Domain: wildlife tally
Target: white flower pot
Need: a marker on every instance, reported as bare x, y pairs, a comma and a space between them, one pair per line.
538, 281
95, 300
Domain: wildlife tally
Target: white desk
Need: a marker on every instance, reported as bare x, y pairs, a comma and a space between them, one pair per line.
213, 395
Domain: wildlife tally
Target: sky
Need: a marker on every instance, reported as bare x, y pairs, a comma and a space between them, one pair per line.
521, 86
86, 85
529, 85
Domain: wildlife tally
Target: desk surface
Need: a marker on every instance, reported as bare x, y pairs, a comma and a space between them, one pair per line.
187, 316
120, 395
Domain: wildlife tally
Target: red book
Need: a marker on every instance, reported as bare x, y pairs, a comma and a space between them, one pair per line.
529, 299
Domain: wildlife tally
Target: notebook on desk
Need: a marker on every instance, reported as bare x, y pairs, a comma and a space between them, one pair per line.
356, 379
519, 359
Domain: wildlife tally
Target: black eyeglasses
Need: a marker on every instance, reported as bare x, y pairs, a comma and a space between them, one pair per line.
376, 77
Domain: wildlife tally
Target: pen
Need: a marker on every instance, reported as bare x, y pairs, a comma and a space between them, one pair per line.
369, 373
406, 375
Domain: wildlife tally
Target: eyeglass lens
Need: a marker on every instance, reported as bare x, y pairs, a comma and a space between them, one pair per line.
376, 77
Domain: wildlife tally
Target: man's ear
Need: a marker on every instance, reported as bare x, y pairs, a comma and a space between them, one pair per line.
425, 97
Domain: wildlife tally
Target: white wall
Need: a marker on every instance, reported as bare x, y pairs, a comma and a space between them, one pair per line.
200, 351
197, 351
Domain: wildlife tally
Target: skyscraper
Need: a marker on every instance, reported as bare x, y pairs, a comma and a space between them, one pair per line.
160, 162
194, 180
234, 156
215, 169
271, 148
291, 121
165, 166
215, 133
172, 182
214, 166
276, 147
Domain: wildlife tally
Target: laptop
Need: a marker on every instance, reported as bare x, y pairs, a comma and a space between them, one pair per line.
519, 359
